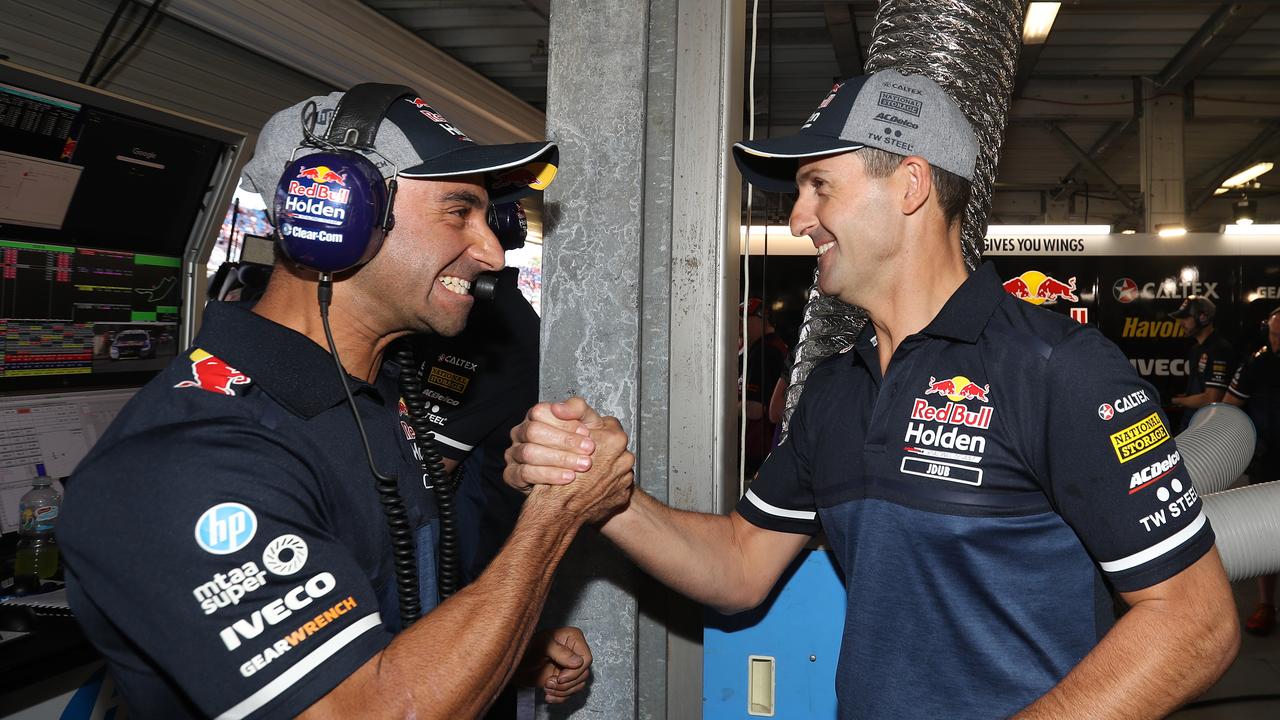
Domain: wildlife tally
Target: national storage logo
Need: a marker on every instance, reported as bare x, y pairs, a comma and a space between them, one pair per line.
1139, 437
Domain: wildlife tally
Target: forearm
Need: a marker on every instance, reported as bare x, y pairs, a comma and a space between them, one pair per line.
453, 661
1154, 660
695, 554
1199, 400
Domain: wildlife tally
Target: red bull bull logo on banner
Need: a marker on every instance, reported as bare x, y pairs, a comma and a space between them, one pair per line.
213, 375
1037, 288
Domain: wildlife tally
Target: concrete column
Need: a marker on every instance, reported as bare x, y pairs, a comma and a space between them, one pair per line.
1163, 174
638, 288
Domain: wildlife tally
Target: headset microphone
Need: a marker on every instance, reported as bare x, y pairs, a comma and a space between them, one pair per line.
511, 226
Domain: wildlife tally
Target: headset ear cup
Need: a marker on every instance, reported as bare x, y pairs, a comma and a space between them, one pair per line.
329, 210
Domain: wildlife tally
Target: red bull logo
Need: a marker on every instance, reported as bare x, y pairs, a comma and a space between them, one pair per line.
958, 388
1037, 288
212, 374
430, 113
321, 178
323, 175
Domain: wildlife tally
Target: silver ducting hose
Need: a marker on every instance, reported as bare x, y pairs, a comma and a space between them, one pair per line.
1216, 446
1247, 523
828, 326
970, 48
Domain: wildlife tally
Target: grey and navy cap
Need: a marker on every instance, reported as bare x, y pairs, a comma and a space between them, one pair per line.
901, 114
413, 141
1193, 306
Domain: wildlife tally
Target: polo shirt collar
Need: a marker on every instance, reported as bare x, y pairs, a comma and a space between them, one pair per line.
967, 311
286, 364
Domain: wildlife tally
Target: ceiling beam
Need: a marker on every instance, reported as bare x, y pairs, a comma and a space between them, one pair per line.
1089, 162
843, 27
1205, 184
1218, 33
1099, 149
1028, 56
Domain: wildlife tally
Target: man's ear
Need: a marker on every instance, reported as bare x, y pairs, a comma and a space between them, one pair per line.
919, 178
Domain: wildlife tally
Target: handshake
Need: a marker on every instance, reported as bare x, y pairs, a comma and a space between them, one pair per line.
571, 460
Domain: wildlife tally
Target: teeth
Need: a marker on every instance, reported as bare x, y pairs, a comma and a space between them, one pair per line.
457, 285
823, 248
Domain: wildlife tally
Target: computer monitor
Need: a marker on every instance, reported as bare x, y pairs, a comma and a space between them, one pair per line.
104, 203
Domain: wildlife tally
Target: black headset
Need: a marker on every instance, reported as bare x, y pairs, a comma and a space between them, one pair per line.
332, 208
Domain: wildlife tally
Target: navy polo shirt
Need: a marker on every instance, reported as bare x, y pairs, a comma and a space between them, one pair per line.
480, 384
225, 544
980, 497
1211, 364
1257, 383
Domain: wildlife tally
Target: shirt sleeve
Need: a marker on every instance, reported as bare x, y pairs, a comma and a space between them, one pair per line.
781, 496
1114, 471
208, 548
1219, 367
1242, 382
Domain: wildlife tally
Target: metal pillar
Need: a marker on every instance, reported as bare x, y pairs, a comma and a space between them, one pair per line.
639, 282
1162, 171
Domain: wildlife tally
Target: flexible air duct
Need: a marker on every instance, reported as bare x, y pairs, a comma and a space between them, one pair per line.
1216, 446
1247, 523
970, 48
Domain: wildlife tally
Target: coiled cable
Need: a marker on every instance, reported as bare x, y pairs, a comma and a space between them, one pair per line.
404, 551
433, 465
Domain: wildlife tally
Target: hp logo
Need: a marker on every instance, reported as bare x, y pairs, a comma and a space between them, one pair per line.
225, 528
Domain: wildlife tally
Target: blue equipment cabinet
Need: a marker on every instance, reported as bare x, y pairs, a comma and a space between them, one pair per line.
778, 660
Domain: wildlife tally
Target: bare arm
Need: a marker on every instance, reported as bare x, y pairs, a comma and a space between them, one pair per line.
1199, 400
721, 561
1178, 637
1233, 399
454, 660
778, 402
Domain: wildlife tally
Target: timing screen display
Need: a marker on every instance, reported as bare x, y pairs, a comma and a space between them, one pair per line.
69, 311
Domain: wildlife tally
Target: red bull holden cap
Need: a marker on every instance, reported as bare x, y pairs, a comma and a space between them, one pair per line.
901, 114
413, 141
1195, 305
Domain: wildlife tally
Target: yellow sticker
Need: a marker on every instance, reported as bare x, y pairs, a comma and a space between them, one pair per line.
1139, 437
448, 380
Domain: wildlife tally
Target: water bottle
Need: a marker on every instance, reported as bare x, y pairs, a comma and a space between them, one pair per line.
37, 557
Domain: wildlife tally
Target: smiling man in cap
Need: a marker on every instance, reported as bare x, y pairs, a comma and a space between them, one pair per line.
985, 471
227, 550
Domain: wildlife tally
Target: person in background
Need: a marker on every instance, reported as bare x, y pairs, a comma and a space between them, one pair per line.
765, 354
1211, 359
1256, 388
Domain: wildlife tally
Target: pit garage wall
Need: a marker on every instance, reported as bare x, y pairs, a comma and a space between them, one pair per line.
1126, 285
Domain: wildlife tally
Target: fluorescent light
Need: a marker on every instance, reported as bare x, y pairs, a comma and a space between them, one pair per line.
1019, 230
1221, 191
1254, 229
1248, 174
1128, 232
1171, 231
1039, 22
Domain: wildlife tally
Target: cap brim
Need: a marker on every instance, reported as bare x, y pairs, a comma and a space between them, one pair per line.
1180, 313
771, 164
511, 171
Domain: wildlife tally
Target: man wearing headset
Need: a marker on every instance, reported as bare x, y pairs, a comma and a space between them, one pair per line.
1211, 360
226, 548
985, 471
